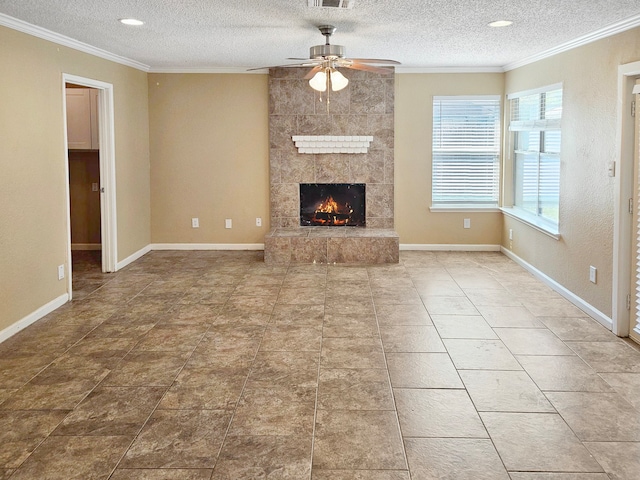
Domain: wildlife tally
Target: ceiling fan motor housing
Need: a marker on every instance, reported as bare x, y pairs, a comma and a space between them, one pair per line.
325, 51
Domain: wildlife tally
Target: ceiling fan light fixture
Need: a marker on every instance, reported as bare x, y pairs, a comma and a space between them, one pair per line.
338, 80
319, 81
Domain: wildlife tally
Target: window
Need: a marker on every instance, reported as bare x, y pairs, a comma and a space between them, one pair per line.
466, 151
535, 121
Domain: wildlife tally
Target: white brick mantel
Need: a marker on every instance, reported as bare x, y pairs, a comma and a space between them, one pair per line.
315, 144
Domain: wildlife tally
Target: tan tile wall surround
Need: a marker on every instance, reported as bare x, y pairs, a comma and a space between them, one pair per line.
365, 107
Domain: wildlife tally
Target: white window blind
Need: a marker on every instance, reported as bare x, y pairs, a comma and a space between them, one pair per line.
466, 150
535, 121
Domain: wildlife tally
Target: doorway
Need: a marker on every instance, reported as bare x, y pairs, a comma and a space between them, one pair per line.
90, 172
84, 184
625, 232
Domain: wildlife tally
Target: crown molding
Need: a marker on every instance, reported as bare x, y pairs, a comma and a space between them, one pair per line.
28, 28
613, 29
262, 71
404, 70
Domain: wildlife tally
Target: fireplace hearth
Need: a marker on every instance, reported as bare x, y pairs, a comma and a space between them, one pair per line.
332, 204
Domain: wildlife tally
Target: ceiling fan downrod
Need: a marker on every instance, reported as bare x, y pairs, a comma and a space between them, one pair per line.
327, 31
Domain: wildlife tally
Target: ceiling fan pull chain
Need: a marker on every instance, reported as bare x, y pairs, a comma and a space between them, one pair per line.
328, 88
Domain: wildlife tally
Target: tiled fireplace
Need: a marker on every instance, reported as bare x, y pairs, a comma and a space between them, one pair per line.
364, 108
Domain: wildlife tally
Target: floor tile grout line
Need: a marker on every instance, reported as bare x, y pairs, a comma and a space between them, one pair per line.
135, 437
478, 413
244, 385
393, 397
316, 405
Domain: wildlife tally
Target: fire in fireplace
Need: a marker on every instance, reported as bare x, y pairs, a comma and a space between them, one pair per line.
332, 204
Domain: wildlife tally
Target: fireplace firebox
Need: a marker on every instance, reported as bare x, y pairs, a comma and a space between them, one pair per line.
332, 204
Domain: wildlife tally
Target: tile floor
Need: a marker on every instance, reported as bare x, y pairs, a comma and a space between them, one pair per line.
212, 365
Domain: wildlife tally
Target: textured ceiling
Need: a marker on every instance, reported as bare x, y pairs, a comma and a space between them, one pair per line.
212, 34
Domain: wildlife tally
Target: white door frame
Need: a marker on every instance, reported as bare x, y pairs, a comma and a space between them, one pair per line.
106, 124
622, 229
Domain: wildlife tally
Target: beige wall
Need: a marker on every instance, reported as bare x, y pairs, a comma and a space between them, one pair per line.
414, 121
202, 167
589, 143
209, 145
33, 219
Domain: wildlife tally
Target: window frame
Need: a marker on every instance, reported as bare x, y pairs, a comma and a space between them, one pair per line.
480, 206
542, 125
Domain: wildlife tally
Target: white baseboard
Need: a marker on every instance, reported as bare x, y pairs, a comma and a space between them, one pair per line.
445, 247
133, 257
86, 246
207, 246
33, 317
569, 295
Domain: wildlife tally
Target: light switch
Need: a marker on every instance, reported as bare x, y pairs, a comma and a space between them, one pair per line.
593, 272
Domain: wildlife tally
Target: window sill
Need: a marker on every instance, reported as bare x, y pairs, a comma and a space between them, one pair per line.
532, 221
464, 208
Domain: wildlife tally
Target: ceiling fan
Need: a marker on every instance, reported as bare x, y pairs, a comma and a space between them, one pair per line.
324, 61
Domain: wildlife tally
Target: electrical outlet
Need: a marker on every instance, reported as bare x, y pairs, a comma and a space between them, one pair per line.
60, 272
593, 272
258, 222
227, 223
195, 222
467, 223
94, 187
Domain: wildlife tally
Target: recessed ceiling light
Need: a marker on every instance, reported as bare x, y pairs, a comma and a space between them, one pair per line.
501, 23
131, 21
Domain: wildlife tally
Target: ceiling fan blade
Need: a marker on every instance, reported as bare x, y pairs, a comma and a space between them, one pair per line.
312, 72
375, 60
369, 68
290, 65
296, 58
